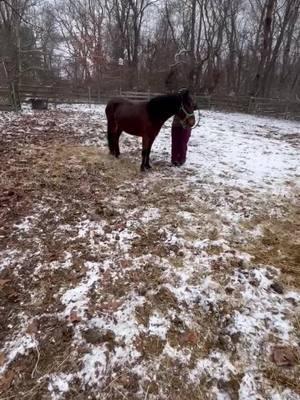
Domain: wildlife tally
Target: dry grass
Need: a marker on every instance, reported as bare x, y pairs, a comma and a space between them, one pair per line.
86, 180
280, 244
60, 159
287, 378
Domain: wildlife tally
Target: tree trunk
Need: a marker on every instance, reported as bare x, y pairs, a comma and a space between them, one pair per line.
266, 47
192, 45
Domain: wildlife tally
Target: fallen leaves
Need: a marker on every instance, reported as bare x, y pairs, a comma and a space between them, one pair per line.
6, 380
189, 338
74, 317
285, 356
111, 306
32, 327
2, 359
3, 282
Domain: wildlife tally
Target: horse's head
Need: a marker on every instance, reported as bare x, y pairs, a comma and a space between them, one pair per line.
187, 108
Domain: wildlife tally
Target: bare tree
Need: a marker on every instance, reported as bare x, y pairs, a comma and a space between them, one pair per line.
234, 46
17, 43
81, 26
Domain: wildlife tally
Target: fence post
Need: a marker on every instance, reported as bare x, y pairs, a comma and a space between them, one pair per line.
286, 111
209, 102
89, 94
13, 96
251, 104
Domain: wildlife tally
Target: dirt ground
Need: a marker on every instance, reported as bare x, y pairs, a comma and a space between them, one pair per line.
121, 285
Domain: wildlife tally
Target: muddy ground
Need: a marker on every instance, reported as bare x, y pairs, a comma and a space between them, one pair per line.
121, 285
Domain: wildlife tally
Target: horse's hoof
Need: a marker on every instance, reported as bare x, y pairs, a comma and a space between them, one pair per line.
148, 166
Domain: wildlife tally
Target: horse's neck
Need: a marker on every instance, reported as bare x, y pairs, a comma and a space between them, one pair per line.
161, 114
165, 116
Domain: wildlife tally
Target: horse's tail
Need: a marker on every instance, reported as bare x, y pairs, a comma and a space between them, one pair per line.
111, 125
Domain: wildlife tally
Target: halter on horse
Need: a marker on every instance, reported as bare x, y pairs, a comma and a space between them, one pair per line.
145, 119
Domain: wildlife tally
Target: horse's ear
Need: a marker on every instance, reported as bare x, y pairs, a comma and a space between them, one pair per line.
183, 91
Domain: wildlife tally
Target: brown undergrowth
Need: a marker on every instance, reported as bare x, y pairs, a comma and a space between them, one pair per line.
72, 182
279, 243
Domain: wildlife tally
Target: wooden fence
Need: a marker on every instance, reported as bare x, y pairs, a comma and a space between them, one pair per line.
252, 105
279, 108
5, 99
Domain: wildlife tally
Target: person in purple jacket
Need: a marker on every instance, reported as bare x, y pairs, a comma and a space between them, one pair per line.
179, 77
180, 139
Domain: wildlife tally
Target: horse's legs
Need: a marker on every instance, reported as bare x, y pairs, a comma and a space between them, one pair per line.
147, 165
144, 152
143, 165
116, 145
147, 144
111, 137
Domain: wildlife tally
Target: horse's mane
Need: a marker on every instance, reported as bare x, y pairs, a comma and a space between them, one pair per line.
164, 106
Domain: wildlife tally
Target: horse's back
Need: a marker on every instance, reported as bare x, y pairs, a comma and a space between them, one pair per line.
113, 104
130, 116
121, 108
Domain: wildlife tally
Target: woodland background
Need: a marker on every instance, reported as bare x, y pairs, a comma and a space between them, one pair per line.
234, 47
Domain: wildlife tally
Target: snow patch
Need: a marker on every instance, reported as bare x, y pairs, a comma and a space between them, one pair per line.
122, 322
150, 215
217, 365
77, 297
183, 355
94, 366
25, 225
59, 384
158, 325
8, 258
19, 345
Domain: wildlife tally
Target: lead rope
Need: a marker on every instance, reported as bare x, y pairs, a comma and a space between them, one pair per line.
187, 115
198, 122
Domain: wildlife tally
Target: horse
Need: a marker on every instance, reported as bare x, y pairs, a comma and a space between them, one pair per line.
145, 119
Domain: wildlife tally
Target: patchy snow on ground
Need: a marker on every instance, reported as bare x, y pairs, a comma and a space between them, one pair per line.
241, 150
130, 286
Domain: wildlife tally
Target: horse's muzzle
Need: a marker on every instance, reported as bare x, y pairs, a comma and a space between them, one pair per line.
190, 121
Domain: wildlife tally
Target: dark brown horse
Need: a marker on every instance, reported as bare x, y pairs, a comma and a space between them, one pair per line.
145, 118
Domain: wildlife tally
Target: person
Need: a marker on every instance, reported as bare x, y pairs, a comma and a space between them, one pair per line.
177, 78
180, 138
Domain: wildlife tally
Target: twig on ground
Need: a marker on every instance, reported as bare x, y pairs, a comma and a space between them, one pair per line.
37, 362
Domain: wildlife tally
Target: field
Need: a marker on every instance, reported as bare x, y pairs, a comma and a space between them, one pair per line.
179, 283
